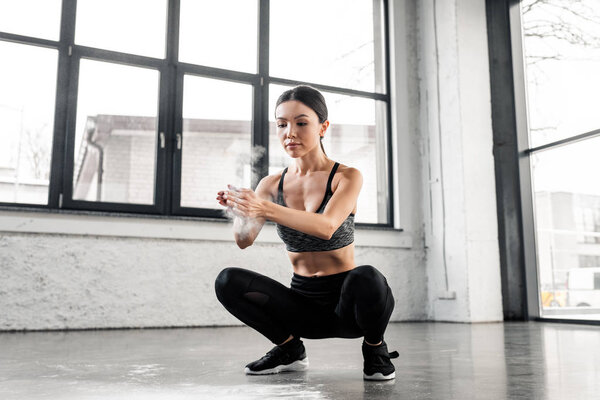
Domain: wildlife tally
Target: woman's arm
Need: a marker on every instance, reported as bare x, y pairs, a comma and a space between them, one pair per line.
245, 228
323, 225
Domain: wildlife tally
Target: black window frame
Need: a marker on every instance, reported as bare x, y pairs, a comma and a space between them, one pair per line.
167, 190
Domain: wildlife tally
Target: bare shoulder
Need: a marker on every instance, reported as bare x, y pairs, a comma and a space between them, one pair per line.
348, 175
267, 187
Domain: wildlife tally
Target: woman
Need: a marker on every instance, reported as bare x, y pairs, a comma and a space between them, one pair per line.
315, 203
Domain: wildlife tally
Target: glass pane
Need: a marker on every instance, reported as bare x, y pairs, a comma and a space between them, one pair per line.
356, 137
217, 127
115, 137
133, 26
28, 82
221, 34
328, 42
562, 54
17, 17
567, 213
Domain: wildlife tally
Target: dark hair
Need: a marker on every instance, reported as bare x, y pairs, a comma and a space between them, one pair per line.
310, 97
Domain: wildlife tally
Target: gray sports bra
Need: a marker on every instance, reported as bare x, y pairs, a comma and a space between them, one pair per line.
298, 242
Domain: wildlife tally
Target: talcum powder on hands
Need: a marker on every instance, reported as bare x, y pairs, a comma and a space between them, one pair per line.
241, 225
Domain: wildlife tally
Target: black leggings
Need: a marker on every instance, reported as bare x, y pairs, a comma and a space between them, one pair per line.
350, 304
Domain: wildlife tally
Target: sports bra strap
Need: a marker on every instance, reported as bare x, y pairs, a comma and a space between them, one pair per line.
281, 181
335, 167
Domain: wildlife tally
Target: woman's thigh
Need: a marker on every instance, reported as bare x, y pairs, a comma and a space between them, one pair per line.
366, 300
238, 284
302, 315
283, 305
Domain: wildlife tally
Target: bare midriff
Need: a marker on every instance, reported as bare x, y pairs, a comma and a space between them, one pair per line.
321, 263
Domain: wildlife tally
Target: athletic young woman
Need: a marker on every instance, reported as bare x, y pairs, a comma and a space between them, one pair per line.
313, 203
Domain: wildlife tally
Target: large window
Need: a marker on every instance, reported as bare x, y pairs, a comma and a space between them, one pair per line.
561, 43
105, 107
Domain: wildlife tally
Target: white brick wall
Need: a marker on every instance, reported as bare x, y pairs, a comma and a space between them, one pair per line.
50, 281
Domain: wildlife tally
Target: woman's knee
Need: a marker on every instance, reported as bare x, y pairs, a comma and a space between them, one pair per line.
365, 273
365, 278
226, 282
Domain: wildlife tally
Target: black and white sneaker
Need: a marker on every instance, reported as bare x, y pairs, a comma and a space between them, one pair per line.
289, 357
377, 365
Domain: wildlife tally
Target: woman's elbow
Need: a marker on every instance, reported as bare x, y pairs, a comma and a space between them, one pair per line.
327, 231
243, 242
243, 245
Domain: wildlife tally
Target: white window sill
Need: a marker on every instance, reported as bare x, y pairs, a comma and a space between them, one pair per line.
166, 228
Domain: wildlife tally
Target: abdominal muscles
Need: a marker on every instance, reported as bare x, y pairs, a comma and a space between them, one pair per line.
318, 263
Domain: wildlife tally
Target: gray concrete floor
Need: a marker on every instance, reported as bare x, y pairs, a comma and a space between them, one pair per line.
438, 361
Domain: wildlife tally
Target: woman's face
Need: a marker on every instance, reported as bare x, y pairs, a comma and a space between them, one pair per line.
298, 128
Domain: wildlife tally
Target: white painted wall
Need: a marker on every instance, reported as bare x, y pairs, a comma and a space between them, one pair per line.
455, 121
70, 270
108, 272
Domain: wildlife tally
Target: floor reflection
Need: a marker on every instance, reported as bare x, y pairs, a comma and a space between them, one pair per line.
437, 361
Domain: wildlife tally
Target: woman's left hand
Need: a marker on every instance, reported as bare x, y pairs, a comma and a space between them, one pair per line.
245, 202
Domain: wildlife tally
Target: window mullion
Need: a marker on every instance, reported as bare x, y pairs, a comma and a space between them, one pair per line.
59, 143
260, 134
388, 111
170, 190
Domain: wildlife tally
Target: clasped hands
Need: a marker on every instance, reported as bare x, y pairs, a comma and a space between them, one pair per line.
243, 202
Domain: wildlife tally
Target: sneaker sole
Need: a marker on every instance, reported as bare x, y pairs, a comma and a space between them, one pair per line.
378, 376
298, 365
